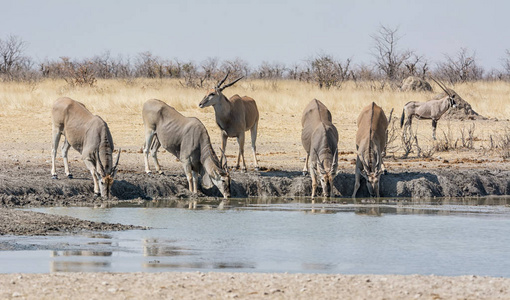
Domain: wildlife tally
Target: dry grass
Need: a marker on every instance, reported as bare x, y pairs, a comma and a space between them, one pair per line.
25, 112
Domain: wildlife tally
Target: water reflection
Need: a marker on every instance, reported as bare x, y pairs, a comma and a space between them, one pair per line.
76, 261
156, 247
198, 265
79, 266
80, 253
369, 206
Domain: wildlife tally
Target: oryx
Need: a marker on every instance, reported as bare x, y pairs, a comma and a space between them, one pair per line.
430, 110
188, 140
320, 140
370, 143
90, 136
234, 116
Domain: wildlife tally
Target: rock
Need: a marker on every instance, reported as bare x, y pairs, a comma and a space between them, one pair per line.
413, 83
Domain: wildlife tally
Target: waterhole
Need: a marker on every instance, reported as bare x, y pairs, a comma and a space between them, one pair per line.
404, 236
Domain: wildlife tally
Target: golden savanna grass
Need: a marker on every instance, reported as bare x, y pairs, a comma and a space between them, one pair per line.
25, 117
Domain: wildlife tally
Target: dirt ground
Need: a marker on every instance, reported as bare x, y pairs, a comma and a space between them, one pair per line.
25, 181
248, 286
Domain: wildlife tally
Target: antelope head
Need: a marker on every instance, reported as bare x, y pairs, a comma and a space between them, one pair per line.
327, 174
221, 178
105, 178
451, 97
372, 176
213, 96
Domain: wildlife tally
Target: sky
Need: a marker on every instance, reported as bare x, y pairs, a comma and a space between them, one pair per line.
282, 31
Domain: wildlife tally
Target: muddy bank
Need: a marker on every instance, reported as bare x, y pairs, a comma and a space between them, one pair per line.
28, 223
21, 187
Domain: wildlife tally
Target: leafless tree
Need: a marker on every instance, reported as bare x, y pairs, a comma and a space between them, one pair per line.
460, 68
13, 63
416, 66
389, 59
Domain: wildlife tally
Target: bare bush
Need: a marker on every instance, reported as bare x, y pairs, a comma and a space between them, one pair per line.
191, 75
506, 66
328, 72
423, 152
460, 68
270, 71
392, 134
236, 67
149, 66
467, 137
76, 73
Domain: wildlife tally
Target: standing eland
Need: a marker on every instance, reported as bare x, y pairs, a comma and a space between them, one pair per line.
320, 140
430, 110
370, 143
234, 116
188, 140
90, 136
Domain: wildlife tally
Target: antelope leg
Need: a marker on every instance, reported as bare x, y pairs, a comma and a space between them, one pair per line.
253, 144
357, 177
149, 135
240, 141
56, 139
65, 150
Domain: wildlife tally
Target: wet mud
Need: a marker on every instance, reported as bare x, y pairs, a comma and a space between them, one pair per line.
32, 187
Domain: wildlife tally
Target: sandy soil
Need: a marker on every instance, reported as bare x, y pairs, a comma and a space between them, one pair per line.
248, 286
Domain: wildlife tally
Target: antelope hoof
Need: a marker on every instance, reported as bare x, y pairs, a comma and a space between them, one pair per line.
70, 176
385, 172
243, 170
54, 176
161, 173
97, 195
305, 173
148, 172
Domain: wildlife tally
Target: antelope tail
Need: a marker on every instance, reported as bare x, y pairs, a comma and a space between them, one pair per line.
402, 118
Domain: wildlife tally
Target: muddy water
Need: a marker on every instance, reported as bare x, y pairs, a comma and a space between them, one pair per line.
442, 237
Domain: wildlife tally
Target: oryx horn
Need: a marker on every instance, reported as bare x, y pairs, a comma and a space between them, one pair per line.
441, 86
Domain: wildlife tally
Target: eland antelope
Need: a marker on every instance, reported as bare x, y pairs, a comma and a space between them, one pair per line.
234, 116
320, 139
90, 136
188, 140
370, 143
430, 110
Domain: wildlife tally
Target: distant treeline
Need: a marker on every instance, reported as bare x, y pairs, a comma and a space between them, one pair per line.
389, 67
